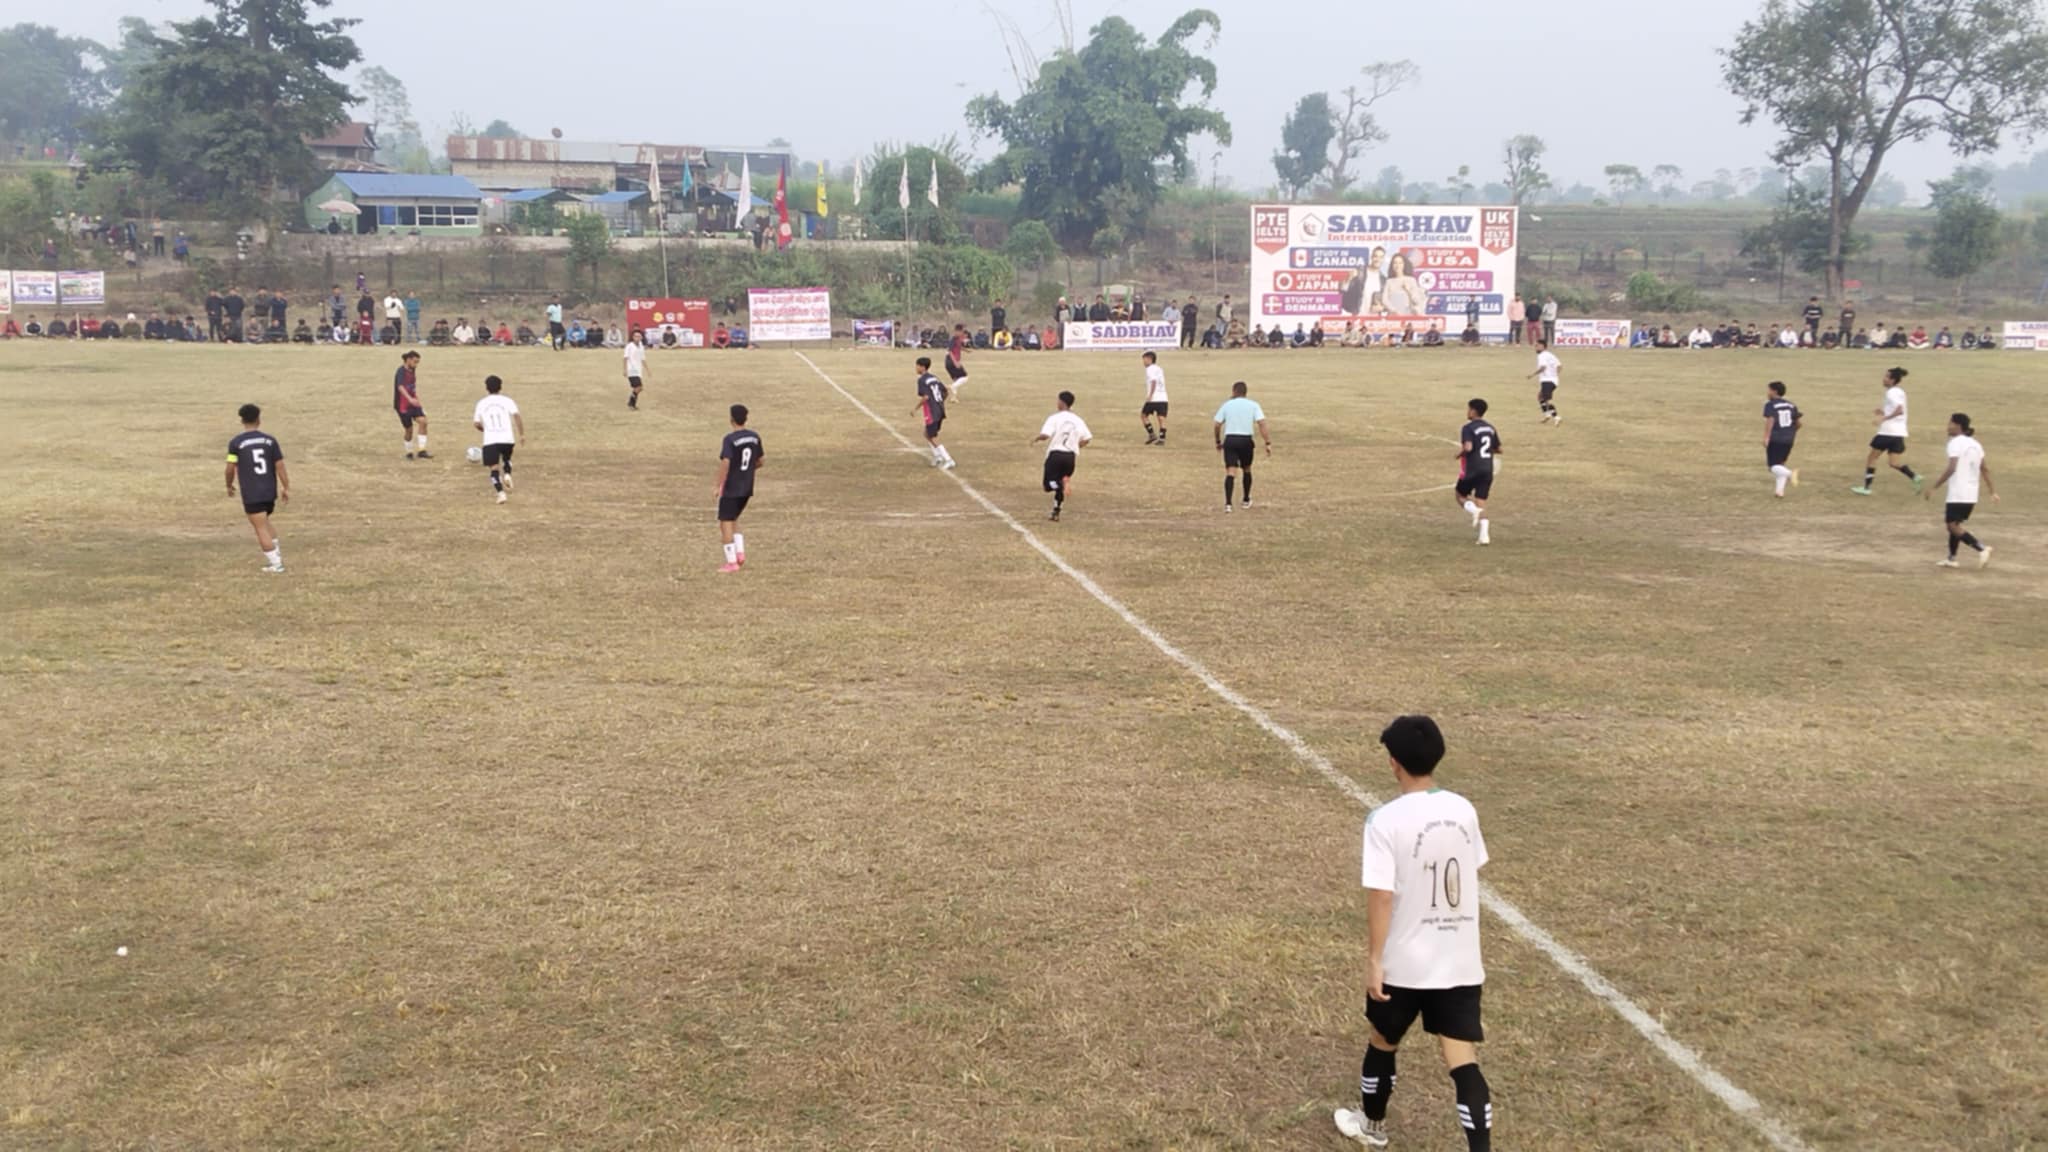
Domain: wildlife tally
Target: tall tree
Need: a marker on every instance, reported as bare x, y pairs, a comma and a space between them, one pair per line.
881, 204
1624, 179
1099, 130
1966, 226
223, 109
1667, 177
1358, 129
121, 61
1524, 158
399, 143
47, 86
1459, 183
1305, 143
1847, 81
500, 130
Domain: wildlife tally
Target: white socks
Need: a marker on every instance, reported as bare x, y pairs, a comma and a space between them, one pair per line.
1484, 524
1783, 474
739, 544
940, 455
423, 441
732, 553
275, 555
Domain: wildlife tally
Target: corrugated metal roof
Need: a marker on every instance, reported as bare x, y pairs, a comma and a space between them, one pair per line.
525, 195
399, 184
613, 198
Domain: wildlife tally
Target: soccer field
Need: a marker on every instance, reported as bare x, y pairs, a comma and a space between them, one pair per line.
491, 826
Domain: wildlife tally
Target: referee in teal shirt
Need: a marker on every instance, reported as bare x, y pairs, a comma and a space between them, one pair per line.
1239, 417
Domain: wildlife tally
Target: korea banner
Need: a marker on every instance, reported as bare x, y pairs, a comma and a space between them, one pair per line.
1122, 335
1340, 264
2026, 335
667, 322
789, 314
874, 333
78, 289
1593, 333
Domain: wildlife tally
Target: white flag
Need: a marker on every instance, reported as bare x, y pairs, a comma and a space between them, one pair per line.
933, 194
856, 181
903, 187
745, 199
654, 186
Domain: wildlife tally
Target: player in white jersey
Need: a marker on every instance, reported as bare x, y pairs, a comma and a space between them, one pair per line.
1155, 400
1422, 857
636, 365
1547, 368
1064, 435
497, 417
1891, 434
1965, 474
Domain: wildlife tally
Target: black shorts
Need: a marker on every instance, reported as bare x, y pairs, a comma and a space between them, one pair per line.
1959, 513
1548, 390
1893, 445
931, 430
268, 506
555, 328
1153, 408
409, 415
1452, 1013
1777, 452
1478, 485
634, 381
730, 507
1238, 451
954, 371
494, 454
1059, 468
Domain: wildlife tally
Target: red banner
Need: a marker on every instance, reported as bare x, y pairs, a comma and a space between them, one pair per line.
670, 323
783, 236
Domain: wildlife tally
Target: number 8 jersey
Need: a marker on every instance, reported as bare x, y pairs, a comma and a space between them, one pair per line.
1425, 848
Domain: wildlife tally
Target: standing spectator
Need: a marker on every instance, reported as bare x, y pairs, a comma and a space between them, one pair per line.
1549, 320
180, 247
1098, 312
1812, 315
260, 303
557, 336
156, 239
1848, 325
1224, 312
366, 310
337, 307
412, 317
213, 310
1472, 319
232, 306
1532, 315
1515, 320
1188, 314
1062, 313
1138, 307
277, 315
394, 316
998, 318
362, 284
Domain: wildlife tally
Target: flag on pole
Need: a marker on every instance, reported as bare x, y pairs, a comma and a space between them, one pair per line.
683, 191
933, 195
743, 202
856, 181
654, 187
903, 187
824, 209
783, 236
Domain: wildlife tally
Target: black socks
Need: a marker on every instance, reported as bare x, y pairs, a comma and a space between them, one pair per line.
1375, 1083
1906, 470
1229, 489
1869, 477
1475, 1107
1247, 485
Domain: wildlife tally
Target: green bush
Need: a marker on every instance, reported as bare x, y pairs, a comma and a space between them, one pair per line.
1647, 293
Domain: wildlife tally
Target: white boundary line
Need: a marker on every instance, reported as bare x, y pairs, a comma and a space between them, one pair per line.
1736, 1099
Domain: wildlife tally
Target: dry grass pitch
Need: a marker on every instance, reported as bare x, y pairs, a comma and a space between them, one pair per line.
520, 827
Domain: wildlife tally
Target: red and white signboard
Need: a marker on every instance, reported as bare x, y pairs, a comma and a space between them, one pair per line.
1593, 333
668, 322
789, 314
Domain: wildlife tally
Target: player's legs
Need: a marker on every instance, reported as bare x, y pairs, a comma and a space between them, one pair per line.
1162, 422
1145, 414
419, 425
1475, 1100
1229, 485
1905, 470
267, 540
405, 423
505, 464
728, 535
1869, 471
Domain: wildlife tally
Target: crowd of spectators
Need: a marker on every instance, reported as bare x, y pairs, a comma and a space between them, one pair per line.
1883, 337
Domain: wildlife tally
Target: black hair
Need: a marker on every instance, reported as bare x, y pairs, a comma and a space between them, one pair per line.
924, 362
250, 413
1777, 387
1962, 420
1895, 375
1239, 388
410, 356
1477, 405
1415, 743
1067, 398
739, 415
492, 384
1152, 356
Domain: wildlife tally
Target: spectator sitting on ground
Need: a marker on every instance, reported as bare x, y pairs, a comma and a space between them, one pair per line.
1352, 338
1919, 337
1470, 336
503, 336
1234, 335
483, 333
1666, 338
1700, 338
527, 335
303, 334
34, 327
739, 337
1880, 336
110, 329
1642, 336
10, 331
1944, 338
576, 333
1787, 338
1408, 334
1256, 338
256, 331
721, 336
439, 334
1806, 338
1300, 336
88, 327
1001, 341
1054, 336
153, 328
1861, 340
613, 338
1433, 338
1315, 336
462, 333
57, 331
1751, 338
1829, 338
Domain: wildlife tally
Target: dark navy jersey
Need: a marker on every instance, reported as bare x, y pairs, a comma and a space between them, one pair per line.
403, 381
933, 392
743, 448
1812, 314
255, 456
1485, 444
1784, 418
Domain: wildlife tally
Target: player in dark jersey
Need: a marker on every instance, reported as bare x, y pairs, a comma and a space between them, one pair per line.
1478, 449
1781, 426
932, 394
739, 457
956, 360
257, 460
405, 400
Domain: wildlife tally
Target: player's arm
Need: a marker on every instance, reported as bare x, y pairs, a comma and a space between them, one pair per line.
1928, 492
1266, 436
1379, 917
1771, 425
1464, 449
724, 466
1984, 473
519, 427
231, 474
284, 482
1219, 435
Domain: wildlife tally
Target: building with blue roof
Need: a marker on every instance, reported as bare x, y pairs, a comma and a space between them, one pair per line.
397, 202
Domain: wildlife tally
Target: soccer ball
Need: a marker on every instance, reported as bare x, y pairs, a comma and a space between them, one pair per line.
475, 454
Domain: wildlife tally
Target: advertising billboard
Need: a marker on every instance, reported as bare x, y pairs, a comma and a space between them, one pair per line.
1122, 335
789, 314
1593, 333
33, 289
668, 322
2024, 335
1344, 264
874, 333
78, 289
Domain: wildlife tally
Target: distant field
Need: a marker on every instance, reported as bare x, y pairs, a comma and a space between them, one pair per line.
519, 826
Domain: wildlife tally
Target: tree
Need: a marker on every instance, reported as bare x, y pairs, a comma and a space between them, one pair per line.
47, 88
123, 61
1526, 177
1030, 243
399, 144
1388, 184
1966, 226
1624, 179
1667, 177
1305, 143
500, 130
590, 242
1798, 232
881, 204
1460, 182
1847, 81
1099, 131
1357, 129
223, 108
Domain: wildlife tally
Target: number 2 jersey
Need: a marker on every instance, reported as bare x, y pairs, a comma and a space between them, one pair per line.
1485, 442
1425, 848
743, 447
255, 455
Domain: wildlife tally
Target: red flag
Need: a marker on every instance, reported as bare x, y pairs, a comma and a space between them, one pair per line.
783, 236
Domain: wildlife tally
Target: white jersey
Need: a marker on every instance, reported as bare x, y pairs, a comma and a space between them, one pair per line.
1969, 461
495, 413
1894, 401
1064, 432
636, 360
1425, 848
1547, 365
1155, 384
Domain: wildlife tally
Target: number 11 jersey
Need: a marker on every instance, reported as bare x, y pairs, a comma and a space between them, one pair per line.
1425, 848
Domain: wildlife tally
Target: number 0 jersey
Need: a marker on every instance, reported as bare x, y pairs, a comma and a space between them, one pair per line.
255, 455
743, 448
1425, 848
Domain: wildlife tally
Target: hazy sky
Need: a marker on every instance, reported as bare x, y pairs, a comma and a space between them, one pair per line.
1603, 81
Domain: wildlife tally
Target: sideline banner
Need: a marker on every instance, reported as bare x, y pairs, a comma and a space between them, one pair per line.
873, 333
6, 292
789, 314
77, 289
669, 322
33, 289
1336, 263
1593, 333
2025, 335
1122, 335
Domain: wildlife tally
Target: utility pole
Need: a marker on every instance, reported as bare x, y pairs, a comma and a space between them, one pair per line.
1215, 268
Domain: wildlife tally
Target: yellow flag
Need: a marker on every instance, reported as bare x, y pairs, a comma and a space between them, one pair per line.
823, 209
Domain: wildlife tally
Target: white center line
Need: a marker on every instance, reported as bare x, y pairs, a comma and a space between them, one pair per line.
1735, 1098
